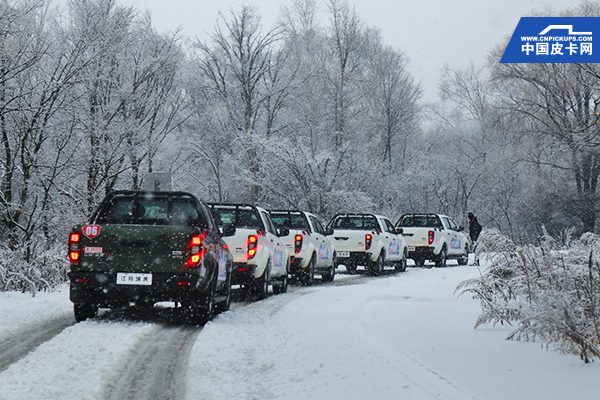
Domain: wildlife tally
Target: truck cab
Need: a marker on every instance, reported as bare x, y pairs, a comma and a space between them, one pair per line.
369, 240
434, 237
260, 256
145, 247
310, 247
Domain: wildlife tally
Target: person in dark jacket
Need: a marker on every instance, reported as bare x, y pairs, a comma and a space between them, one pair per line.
474, 227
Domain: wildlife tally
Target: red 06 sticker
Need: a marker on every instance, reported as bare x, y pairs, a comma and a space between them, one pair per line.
91, 231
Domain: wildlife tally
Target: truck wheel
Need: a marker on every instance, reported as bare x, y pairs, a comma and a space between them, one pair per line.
226, 304
419, 262
308, 275
209, 310
283, 286
401, 266
351, 268
261, 285
376, 268
330, 275
85, 311
440, 260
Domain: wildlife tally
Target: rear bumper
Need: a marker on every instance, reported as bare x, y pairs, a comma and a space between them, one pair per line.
296, 265
422, 252
100, 288
243, 273
355, 258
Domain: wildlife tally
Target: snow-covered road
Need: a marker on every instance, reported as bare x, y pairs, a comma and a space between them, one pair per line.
400, 336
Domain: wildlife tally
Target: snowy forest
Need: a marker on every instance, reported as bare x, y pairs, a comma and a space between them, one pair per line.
322, 117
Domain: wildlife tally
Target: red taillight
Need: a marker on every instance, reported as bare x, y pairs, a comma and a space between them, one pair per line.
368, 241
297, 244
252, 245
431, 234
197, 250
74, 251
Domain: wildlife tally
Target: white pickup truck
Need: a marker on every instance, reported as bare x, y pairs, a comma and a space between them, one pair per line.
367, 239
434, 237
260, 257
311, 249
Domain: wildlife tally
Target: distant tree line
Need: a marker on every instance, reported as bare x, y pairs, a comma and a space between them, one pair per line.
323, 118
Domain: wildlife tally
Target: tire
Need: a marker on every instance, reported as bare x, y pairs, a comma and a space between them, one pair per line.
209, 311
260, 287
419, 262
351, 268
401, 266
84, 311
308, 274
440, 260
376, 268
283, 287
330, 275
225, 305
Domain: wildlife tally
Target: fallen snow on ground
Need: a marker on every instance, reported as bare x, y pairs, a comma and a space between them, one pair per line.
402, 336
406, 336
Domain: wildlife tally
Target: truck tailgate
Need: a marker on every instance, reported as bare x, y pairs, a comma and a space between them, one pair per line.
349, 240
136, 248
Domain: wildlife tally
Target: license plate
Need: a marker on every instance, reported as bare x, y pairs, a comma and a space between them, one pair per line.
343, 254
134, 278
411, 248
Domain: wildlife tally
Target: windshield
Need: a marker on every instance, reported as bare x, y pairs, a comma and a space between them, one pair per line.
356, 222
240, 217
149, 209
290, 220
429, 221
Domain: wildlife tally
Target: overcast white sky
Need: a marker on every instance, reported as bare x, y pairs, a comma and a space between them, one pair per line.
430, 32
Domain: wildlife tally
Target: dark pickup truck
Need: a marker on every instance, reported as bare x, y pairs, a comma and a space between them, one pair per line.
147, 247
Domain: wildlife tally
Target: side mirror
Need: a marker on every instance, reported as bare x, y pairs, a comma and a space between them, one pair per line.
461, 228
283, 232
228, 230
399, 230
328, 231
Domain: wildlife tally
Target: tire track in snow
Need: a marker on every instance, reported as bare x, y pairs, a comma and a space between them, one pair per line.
157, 370
26, 340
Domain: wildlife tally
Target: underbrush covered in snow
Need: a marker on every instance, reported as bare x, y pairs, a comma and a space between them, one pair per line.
550, 291
46, 269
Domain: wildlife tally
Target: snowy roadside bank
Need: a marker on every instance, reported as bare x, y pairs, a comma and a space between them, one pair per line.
403, 336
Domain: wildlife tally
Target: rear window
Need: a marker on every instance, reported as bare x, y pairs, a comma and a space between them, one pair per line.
356, 222
421, 221
290, 221
149, 209
240, 217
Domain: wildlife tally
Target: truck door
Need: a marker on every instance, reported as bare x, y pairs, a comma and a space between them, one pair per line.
394, 245
278, 251
322, 245
455, 244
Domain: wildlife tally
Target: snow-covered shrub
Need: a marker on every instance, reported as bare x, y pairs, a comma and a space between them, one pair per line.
551, 290
46, 269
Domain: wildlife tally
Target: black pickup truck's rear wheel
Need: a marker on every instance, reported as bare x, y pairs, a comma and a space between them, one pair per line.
85, 311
